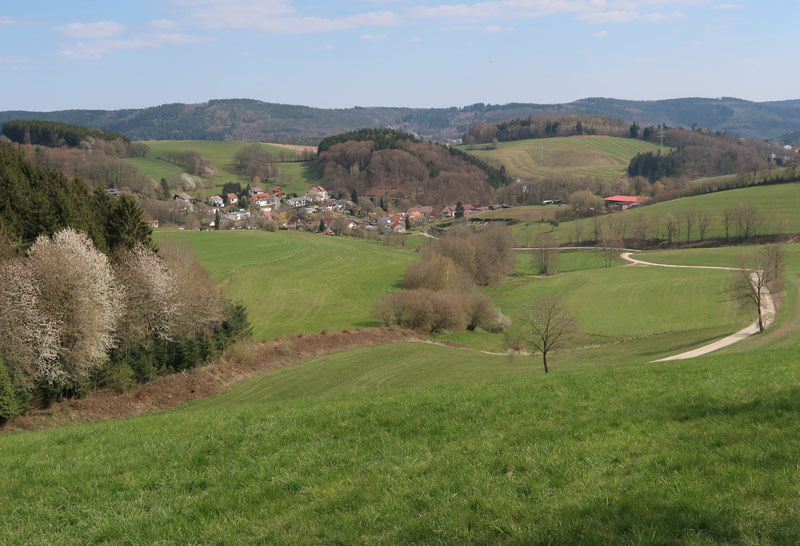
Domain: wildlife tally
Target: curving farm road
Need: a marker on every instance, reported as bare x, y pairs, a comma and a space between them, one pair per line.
767, 311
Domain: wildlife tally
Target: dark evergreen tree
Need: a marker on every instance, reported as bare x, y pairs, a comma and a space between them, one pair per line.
321, 226
354, 196
125, 226
459, 210
9, 406
165, 193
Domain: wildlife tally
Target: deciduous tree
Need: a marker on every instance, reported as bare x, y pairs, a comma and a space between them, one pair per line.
548, 324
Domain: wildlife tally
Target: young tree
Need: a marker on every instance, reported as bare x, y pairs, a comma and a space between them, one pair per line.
612, 244
354, 196
761, 275
703, 223
547, 324
728, 216
748, 220
671, 227
689, 217
545, 255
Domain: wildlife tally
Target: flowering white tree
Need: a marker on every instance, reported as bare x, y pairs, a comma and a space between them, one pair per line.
151, 303
79, 296
29, 338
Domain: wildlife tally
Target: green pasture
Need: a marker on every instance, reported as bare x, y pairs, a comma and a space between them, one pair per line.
777, 206
525, 213
567, 157
567, 260
418, 444
295, 177
294, 282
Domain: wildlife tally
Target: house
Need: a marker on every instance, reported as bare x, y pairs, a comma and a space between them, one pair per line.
256, 190
216, 201
398, 227
295, 223
266, 214
152, 223
318, 193
331, 206
311, 209
624, 201
261, 199
278, 192
301, 201
237, 215
232, 199
183, 197
448, 211
114, 192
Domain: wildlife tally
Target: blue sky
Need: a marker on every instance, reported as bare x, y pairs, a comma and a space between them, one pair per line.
114, 54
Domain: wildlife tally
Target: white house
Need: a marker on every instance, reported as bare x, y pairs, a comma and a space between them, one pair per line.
318, 193
215, 201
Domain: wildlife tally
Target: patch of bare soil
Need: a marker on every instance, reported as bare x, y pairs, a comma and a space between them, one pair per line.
238, 362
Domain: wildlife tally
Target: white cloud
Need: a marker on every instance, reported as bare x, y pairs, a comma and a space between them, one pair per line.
500, 9
13, 60
624, 16
493, 28
274, 16
88, 31
600, 34
727, 6
100, 48
373, 37
164, 24
415, 40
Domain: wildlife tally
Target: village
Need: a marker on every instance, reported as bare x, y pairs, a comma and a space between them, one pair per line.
315, 211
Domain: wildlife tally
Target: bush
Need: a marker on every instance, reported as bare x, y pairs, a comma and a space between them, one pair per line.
9, 406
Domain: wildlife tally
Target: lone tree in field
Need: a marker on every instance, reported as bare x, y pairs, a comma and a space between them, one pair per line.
761, 275
548, 324
612, 244
545, 255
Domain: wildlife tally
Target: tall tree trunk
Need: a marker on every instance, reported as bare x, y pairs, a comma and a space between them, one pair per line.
544, 361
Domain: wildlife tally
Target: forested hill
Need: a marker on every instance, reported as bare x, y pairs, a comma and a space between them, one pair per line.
245, 119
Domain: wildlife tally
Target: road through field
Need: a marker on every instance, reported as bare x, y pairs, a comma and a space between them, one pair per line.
767, 311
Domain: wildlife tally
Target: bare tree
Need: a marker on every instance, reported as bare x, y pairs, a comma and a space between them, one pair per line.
703, 223
545, 255
547, 324
642, 230
728, 216
612, 244
748, 220
689, 217
761, 274
671, 227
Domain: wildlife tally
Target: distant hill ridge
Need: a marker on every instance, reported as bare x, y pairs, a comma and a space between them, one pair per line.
248, 119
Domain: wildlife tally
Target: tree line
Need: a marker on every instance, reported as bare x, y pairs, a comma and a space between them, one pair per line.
86, 302
553, 126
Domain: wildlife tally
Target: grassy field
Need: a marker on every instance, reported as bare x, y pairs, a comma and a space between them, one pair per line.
567, 157
777, 205
297, 177
295, 282
431, 445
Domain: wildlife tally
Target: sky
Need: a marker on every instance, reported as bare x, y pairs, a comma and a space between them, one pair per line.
103, 54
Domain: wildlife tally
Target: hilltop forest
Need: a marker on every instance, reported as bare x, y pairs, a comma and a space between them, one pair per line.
386, 163
246, 119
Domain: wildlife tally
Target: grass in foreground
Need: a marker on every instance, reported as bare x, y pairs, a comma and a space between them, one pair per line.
699, 452
295, 282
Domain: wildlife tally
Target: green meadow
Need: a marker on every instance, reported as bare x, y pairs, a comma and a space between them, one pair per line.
295, 177
567, 157
777, 206
416, 443
413, 444
294, 282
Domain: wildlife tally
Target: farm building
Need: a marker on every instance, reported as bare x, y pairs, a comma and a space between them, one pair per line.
624, 201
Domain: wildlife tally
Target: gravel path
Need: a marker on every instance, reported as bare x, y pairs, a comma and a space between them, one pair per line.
767, 312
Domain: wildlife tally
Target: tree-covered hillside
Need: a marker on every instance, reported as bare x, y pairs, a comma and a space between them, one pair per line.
246, 119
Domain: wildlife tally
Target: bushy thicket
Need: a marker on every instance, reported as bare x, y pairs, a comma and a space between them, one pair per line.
192, 162
439, 291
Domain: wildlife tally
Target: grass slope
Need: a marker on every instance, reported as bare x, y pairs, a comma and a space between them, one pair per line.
295, 282
777, 204
700, 452
298, 177
575, 157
